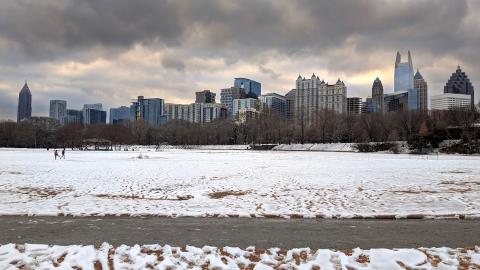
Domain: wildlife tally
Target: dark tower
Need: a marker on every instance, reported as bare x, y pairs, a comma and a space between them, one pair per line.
421, 85
24, 103
459, 83
377, 94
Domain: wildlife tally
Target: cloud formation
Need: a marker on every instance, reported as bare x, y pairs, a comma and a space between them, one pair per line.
113, 50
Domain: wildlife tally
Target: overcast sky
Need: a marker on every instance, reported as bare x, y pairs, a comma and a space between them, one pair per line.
111, 51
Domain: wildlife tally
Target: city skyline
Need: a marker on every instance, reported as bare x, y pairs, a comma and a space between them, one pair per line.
207, 48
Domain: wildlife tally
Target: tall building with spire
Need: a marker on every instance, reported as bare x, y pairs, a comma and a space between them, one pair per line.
24, 103
377, 94
403, 80
459, 83
422, 88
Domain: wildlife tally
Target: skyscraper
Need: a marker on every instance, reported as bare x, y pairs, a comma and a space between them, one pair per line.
58, 110
459, 83
87, 108
275, 103
377, 94
403, 73
253, 89
24, 103
421, 86
150, 110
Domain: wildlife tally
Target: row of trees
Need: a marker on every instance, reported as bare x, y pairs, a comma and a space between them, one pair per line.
325, 127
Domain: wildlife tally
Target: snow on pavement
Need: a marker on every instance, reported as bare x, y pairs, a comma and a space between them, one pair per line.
34, 256
239, 184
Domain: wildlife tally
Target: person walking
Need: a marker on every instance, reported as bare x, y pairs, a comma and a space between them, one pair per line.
63, 154
55, 153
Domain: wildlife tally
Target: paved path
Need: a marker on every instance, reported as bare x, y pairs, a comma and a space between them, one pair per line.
240, 232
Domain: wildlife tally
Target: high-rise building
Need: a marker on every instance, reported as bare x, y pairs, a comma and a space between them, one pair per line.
395, 102
94, 116
290, 104
24, 103
275, 103
403, 73
354, 105
459, 83
421, 86
73, 117
150, 110
377, 94
228, 95
245, 103
205, 96
451, 102
87, 114
196, 112
253, 89
119, 115
58, 110
313, 95
370, 105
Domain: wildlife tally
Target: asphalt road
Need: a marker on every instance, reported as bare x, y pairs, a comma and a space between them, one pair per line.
241, 232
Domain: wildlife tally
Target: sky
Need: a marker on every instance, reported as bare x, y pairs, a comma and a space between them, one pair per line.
111, 51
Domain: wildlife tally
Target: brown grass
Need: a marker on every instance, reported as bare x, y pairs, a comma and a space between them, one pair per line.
223, 194
138, 197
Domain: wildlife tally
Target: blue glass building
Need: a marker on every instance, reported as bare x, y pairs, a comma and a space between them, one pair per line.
253, 89
403, 80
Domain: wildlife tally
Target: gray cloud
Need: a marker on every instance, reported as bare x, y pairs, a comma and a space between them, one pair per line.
206, 43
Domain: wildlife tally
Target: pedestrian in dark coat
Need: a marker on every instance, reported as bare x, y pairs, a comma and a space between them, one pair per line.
55, 153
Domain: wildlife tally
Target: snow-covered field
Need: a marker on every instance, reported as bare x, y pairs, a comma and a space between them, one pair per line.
165, 257
239, 183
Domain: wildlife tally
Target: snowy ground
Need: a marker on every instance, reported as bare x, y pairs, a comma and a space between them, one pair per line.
165, 257
239, 183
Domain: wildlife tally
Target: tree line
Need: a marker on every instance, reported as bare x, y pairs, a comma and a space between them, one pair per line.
268, 128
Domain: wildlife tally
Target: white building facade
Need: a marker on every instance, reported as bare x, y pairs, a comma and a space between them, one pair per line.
451, 102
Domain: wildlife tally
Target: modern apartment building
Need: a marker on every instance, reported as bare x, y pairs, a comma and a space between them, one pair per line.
228, 95
245, 103
370, 105
205, 96
149, 110
73, 117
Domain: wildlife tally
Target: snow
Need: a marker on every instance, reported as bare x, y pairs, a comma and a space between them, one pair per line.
30, 256
239, 183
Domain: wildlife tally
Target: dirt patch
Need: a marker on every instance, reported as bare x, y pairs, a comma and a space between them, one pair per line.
10, 172
141, 197
42, 192
223, 194
364, 259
